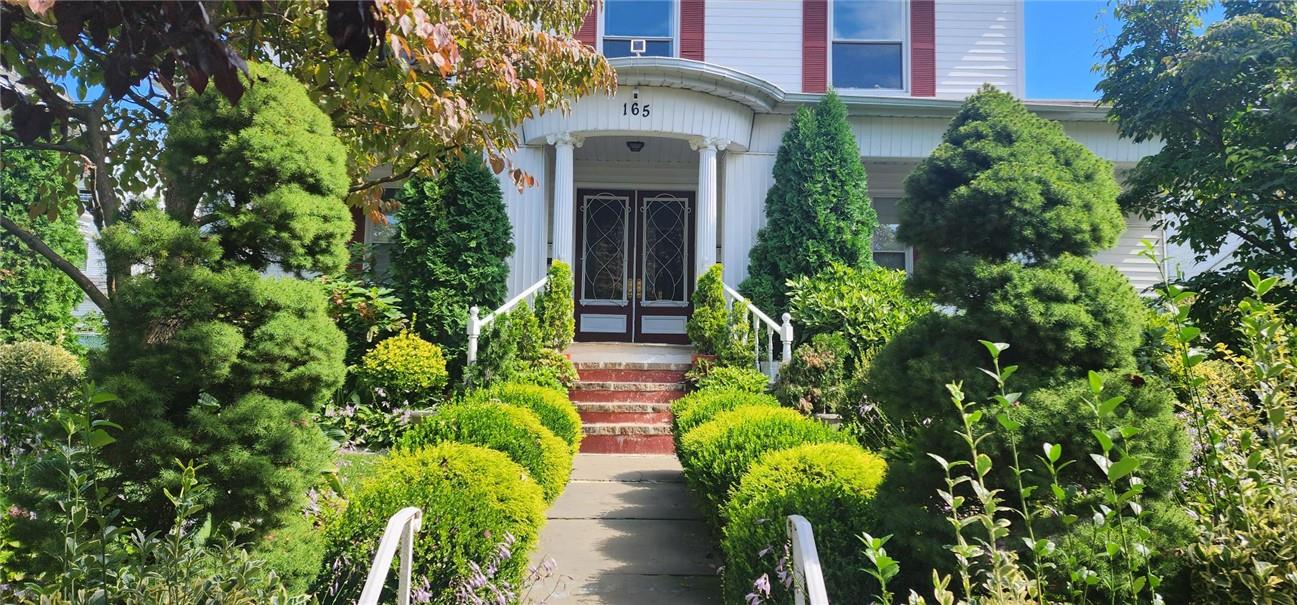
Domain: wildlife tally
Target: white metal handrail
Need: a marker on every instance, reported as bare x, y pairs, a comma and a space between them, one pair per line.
808, 578
400, 532
785, 331
475, 324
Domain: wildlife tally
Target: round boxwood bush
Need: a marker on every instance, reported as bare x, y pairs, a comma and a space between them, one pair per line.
407, 367
698, 407
552, 406
471, 498
720, 450
504, 428
832, 485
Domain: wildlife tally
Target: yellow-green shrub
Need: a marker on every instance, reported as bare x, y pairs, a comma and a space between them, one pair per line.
407, 367
719, 451
471, 498
700, 406
552, 406
515, 431
832, 485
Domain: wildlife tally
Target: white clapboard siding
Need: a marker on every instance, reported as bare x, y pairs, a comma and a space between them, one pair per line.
978, 41
760, 37
529, 217
747, 178
95, 268
674, 113
1125, 256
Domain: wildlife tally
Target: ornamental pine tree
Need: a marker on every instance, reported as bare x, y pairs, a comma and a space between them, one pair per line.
453, 237
214, 362
818, 211
1005, 214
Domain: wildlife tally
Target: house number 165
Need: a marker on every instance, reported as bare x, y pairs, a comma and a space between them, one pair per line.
635, 109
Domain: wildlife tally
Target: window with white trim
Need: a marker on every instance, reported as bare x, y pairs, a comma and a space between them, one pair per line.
380, 239
889, 251
648, 26
867, 51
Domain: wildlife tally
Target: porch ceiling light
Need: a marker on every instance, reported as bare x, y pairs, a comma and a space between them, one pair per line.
635, 146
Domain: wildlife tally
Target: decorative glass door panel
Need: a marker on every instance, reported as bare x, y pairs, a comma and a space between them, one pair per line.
606, 240
665, 254
634, 265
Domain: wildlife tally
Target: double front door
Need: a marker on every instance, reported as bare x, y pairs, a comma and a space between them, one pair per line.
634, 265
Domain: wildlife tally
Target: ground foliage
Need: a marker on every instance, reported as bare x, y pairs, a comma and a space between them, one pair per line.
36, 299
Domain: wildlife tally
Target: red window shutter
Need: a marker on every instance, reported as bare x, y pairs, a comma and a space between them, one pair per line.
692, 29
590, 27
923, 48
815, 45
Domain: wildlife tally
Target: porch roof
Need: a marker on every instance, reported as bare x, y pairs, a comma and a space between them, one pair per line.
762, 96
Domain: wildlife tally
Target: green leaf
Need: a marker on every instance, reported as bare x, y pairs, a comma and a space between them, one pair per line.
994, 348
983, 465
1122, 467
1053, 451
99, 438
1108, 406
1096, 382
1104, 439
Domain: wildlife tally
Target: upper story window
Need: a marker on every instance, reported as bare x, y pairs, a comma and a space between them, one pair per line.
868, 44
628, 22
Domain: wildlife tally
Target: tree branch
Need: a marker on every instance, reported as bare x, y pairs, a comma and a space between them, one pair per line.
1254, 240
1281, 236
392, 178
39, 247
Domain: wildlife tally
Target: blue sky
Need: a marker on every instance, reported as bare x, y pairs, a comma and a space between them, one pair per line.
1062, 38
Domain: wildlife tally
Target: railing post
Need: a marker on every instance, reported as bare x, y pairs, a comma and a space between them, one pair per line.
808, 578
786, 334
407, 560
474, 330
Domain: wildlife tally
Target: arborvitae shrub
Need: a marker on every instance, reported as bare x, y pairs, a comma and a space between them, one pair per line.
708, 324
818, 210
720, 450
513, 430
551, 406
453, 237
831, 485
471, 497
555, 308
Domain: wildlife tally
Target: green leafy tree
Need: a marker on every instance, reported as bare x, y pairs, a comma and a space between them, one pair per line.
36, 299
818, 210
1223, 103
453, 237
212, 360
1005, 213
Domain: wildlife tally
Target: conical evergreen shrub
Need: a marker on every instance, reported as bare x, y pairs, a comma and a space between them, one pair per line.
1004, 215
818, 210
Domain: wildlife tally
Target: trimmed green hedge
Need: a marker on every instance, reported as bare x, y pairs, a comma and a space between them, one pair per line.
514, 431
832, 485
698, 407
718, 452
552, 406
471, 497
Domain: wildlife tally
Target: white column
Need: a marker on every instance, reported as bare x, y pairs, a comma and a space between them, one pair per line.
564, 196
705, 224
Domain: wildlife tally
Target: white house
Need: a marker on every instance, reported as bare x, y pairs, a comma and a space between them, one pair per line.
641, 190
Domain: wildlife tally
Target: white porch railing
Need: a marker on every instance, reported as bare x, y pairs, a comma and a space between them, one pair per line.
400, 532
785, 331
475, 324
808, 579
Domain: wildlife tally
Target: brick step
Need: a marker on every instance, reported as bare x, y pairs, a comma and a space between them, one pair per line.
624, 396
606, 385
630, 375
624, 413
631, 365
628, 444
625, 429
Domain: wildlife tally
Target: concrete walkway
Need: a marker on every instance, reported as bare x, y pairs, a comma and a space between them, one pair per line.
626, 532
